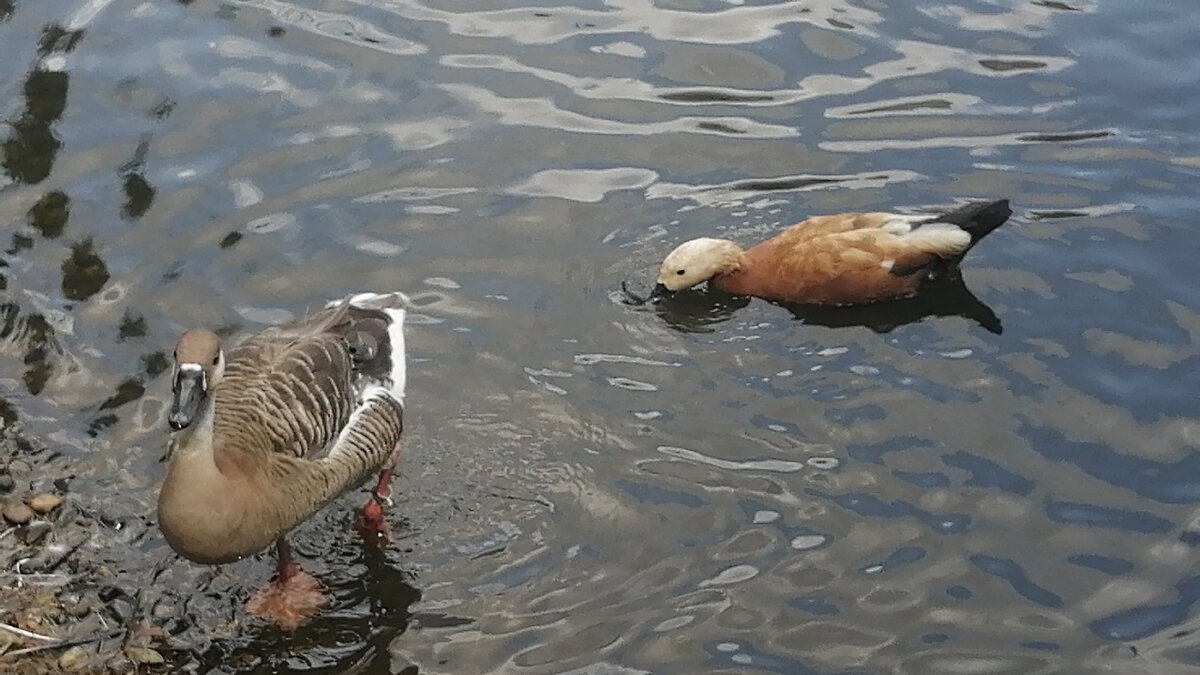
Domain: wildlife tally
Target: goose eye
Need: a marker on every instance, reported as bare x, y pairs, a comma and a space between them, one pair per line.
216, 359
680, 273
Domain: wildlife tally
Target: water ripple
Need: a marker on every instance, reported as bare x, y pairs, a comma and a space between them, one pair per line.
718, 485
738, 25
543, 112
583, 185
735, 192
772, 465
341, 27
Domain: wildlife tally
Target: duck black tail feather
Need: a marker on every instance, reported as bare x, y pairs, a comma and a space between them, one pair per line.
978, 219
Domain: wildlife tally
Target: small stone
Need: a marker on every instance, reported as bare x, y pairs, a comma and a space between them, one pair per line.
80, 609
245, 661
18, 469
120, 609
17, 513
73, 659
33, 533
45, 503
144, 656
162, 611
6, 483
119, 665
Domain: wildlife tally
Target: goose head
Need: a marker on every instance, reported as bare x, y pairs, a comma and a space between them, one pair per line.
199, 364
696, 261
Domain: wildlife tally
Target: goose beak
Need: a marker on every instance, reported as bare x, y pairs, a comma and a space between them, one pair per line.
189, 390
661, 291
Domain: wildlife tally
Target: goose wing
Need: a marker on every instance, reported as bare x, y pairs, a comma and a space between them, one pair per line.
291, 389
286, 393
373, 429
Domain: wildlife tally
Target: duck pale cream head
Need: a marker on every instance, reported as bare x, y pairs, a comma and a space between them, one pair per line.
696, 261
198, 365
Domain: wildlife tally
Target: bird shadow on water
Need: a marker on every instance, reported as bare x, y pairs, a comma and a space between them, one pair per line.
699, 311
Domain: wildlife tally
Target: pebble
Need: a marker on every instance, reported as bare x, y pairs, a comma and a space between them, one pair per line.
120, 664
144, 656
246, 661
45, 503
34, 532
17, 513
73, 659
51, 556
7, 483
18, 469
162, 610
81, 608
120, 609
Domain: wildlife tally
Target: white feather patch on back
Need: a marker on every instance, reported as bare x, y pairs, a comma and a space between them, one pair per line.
898, 225
901, 224
369, 300
944, 239
395, 331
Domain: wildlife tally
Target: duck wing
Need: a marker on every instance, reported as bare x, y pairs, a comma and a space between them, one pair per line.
822, 226
849, 266
913, 237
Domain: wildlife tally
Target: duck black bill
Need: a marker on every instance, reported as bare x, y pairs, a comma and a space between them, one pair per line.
661, 291
189, 391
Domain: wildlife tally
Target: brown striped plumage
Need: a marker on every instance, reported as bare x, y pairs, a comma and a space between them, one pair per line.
844, 259
296, 416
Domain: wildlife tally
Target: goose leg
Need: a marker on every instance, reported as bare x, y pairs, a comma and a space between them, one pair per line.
371, 525
285, 563
292, 598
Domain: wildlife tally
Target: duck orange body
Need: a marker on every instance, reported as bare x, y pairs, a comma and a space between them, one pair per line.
844, 259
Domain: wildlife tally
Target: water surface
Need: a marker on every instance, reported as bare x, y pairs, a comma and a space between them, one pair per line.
591, 487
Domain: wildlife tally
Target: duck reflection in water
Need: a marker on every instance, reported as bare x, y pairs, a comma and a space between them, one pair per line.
698, 310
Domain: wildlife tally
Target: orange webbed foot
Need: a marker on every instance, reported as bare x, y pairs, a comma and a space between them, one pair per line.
289, 601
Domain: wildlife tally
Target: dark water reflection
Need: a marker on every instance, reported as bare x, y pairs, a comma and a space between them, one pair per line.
997, 477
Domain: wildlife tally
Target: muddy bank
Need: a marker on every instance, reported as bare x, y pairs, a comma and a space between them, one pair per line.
62, 605
87, 584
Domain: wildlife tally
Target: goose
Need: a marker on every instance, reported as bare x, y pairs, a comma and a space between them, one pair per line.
843, 259
270, 431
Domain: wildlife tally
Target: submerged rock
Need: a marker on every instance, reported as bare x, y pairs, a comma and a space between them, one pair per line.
45, 503
17, 513
33, 533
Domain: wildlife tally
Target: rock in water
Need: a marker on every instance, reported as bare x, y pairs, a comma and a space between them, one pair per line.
46, 503
17, 513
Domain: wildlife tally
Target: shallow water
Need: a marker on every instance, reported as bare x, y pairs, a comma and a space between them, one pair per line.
593, 487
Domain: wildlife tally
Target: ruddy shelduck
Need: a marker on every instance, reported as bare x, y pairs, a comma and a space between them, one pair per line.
844, 259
